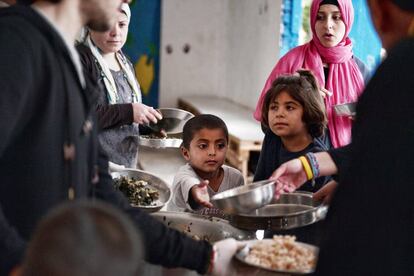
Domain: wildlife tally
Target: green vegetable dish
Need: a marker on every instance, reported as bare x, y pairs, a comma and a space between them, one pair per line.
139, 192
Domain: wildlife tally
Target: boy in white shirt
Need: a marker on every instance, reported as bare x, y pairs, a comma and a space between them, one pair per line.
205, 144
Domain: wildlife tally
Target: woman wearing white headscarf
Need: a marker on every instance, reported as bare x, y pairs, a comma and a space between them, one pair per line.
119, 109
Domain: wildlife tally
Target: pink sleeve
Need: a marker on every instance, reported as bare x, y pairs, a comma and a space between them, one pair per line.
287, 64
258, 112
282, 67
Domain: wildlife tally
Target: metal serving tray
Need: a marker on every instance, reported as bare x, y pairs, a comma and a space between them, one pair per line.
290, 211
211, 229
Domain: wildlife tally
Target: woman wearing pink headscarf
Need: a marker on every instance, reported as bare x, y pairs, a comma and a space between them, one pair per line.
329, 56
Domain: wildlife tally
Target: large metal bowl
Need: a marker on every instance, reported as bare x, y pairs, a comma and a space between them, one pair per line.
245, 199
153, 181
173, 120
290, 211
348, 109
202, 227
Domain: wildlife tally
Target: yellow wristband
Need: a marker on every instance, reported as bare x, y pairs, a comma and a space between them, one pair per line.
306, 167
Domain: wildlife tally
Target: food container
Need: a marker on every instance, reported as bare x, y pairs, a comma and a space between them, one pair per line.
172, 124
207, 228
242, 256
348, 109
173, 120
291, 211
245, 199
153, 182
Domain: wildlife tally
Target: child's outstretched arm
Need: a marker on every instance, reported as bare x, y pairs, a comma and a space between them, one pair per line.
199, 194
292, 174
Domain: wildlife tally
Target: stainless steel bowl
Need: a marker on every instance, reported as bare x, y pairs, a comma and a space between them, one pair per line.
173, 120
348, 109
245, 199
202, 227
153, 181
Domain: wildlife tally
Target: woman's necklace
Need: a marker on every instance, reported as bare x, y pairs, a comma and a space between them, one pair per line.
133, 95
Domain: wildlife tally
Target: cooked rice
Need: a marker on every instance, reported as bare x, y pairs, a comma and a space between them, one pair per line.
282, 253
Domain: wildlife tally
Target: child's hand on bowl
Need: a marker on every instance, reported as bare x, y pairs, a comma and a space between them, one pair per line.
200, 194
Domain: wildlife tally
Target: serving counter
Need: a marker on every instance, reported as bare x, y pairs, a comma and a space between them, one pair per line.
235, 268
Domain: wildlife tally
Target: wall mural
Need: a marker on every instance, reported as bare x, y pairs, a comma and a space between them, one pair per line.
142, 47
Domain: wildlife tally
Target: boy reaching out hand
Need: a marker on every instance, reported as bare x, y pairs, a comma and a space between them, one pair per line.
205, 144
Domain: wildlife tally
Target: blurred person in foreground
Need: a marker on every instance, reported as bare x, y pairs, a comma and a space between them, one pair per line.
370, 221
48, 148
7, 3
83, 238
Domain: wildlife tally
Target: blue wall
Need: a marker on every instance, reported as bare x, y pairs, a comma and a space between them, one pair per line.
367, 45
143, 45
291, 25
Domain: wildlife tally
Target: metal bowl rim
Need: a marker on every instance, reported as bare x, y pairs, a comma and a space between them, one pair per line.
310, 210
197, 216
160, 142
258, 184
193, 219
176, 109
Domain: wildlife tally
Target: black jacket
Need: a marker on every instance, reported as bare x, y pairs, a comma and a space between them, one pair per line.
371, 218
271, 158
109, 116
43, 107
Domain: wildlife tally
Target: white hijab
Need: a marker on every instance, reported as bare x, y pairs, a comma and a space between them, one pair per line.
125, 67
